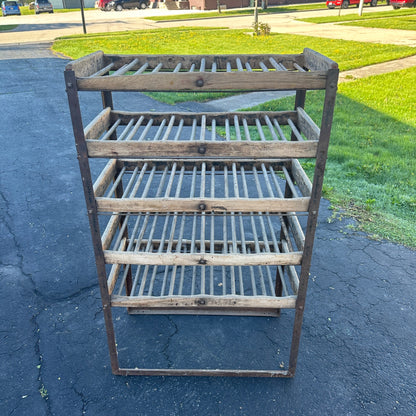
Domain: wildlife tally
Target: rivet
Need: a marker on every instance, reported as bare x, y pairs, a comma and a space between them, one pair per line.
202, 150
202, 207
199, 82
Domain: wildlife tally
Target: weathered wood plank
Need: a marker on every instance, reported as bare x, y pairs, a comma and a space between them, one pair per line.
219, 62
204, 302
98, 125
265, 312
291, 271
106, 176
318, 62
115, 270
302, 180
110, 231
293, 278
307, 125
203, 205
187, 149
187, 259
207, 81
202, 372
219, 117
297, 231
87, 65
216, 245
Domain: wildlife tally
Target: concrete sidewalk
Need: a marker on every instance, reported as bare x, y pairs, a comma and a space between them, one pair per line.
357, 352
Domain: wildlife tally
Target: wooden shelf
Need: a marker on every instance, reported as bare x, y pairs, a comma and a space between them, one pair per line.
203, 187
202, 213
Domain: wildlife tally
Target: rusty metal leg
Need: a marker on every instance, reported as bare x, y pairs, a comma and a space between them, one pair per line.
87, 182
326, 124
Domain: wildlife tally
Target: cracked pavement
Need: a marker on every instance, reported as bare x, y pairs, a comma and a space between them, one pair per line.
358, 345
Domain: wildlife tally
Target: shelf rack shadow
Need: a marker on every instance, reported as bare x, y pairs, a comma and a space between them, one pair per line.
202, 213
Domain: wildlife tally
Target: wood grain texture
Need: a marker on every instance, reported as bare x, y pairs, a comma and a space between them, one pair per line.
191, 149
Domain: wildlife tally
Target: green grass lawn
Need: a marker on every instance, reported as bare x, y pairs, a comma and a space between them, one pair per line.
348, 54
354, 16
7, 27
371, 169
404, 23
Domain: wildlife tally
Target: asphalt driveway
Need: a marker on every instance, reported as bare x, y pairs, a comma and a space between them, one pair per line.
358, 346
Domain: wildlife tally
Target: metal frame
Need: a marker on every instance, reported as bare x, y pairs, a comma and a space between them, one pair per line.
131, 158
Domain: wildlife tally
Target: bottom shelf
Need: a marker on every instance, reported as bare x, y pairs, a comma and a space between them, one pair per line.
222, 290
206, 305
239, 264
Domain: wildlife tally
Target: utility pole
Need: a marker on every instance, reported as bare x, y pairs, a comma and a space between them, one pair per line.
83, 17
360, 8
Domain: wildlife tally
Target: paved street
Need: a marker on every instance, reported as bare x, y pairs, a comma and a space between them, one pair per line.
358, 346
46, 27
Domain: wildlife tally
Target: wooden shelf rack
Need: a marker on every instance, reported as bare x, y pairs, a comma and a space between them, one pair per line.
202, 213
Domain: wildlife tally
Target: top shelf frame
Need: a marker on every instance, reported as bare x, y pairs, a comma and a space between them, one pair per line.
98, 71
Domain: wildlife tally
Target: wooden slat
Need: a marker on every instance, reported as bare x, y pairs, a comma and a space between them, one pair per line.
210, 245
110, 231
271, 312
293, 278
115, 270
307, 125
295, 131
220, 61
98, 125
106, 176
207, 149
302, 180
109, 134
298, 67
291, 271
297, 231
205, 302
125, 68
201, 372
208, 81
219, 117
202, 205
103, 71
188, 259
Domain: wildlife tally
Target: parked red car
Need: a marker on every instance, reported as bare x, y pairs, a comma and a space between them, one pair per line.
102, 5
345, 3
397, 4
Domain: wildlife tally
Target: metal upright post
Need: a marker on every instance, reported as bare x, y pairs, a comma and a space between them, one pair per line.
82, 154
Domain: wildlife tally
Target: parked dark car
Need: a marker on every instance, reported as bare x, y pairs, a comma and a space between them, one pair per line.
43, 6
128, 4
10, 7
